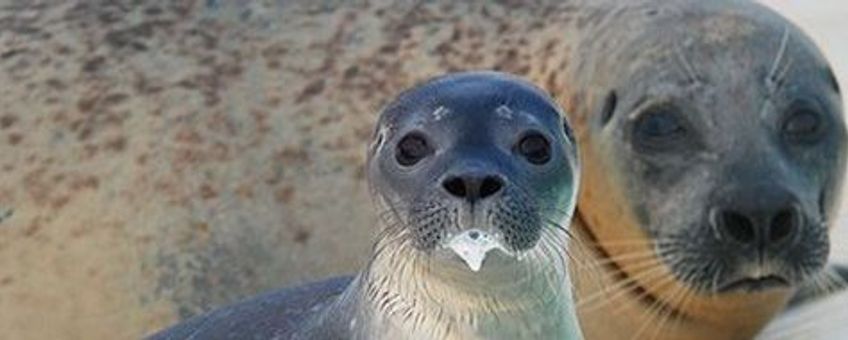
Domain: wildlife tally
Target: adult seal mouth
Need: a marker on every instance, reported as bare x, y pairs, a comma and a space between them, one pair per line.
755, 284
470, 164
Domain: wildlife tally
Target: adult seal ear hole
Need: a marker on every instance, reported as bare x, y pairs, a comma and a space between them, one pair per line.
475, 176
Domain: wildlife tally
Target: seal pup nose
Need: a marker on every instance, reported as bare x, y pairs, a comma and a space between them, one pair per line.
472, 187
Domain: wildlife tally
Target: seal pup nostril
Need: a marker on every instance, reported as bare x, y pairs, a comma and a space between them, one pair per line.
456, 187
491, 185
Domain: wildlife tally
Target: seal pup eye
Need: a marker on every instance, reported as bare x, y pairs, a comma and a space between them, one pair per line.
535, 148
803, 125
411, 149
659, 128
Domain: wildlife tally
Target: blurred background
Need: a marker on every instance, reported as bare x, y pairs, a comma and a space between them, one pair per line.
162, 159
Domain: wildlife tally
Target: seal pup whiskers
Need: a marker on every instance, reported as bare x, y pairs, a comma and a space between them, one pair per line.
476, 176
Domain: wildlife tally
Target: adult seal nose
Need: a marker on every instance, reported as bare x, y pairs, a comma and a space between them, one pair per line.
767, 217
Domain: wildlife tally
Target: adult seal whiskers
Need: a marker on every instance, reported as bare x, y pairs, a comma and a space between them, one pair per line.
476, 177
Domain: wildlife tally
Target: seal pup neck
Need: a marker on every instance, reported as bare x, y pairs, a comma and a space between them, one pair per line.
503, 277
418, 291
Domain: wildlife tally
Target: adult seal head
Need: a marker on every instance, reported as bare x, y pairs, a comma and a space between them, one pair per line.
714, 148
475, 175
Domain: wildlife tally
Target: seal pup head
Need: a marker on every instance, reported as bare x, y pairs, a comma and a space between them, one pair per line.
720, 127
474, 164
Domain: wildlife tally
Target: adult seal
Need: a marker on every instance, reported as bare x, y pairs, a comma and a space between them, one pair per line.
714, 148
475, 175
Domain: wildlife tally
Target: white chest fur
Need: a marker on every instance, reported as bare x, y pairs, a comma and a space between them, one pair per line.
526, 301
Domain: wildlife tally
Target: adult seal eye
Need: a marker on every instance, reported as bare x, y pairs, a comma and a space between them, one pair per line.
660, 128
535, 148
803, 125
411, 149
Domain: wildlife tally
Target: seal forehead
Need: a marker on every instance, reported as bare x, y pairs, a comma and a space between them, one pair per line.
465, 93
739, 30
504, 112
724, 26
708, 69
440, 113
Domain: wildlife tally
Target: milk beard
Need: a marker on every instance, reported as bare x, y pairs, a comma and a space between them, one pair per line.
473, 245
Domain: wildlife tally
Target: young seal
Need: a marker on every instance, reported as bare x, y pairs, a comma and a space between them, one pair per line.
476, 175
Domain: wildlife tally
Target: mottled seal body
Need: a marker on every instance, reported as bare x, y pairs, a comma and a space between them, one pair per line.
476, 176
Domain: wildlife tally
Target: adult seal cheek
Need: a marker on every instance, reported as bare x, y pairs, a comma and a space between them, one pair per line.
475, 176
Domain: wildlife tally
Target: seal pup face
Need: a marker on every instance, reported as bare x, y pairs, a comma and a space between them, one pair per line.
474, 163
730, 144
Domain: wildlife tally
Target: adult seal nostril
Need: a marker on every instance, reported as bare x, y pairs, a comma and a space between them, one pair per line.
455, 236
735, 226
785, 225
759, 218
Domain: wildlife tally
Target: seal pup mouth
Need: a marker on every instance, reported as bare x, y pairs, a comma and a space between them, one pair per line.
473, 245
